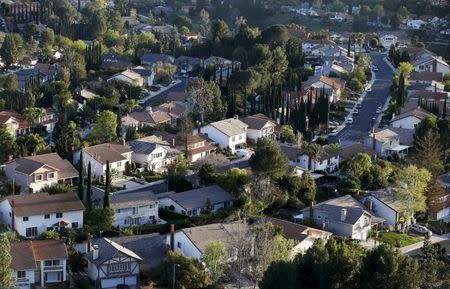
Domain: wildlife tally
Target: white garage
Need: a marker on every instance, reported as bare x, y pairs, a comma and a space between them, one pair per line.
113, 282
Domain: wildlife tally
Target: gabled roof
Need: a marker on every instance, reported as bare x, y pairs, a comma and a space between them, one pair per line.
28, 165
132, 199
331, 82
384, 135
416, 112
199, 198
426, 76
353, 149
148, 144
43, 203
388, 197
25, 254
293, 151
107, 250
7, 114
298, 232
155, 57
258, 121
151, 117
230, 126
112, 152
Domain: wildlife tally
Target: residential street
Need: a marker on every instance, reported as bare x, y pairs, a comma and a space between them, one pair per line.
160, 97
380, 91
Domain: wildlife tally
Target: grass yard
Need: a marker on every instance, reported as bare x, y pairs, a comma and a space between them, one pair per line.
398, 239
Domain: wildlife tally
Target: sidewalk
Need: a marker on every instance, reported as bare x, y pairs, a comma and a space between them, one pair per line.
418, 245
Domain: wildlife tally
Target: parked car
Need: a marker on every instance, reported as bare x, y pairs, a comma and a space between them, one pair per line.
244, 153
375, 68
358, 105
420, 229
378, 110
334, 132
369, 89
349, 121
355, 112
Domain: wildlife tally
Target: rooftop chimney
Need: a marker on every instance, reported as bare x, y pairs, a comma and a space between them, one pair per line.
343, 214
311, 210
172, 237
173, 142
148, 108
370, 205
95, 252
374, 141
123, 142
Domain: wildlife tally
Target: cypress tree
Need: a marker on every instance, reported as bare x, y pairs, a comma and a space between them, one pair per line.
89, 189
302, 117
107, 186
444, 109
348, 47
80, 178
119, 127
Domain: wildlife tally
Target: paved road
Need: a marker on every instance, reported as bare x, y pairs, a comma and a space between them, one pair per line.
380, 91
157, 99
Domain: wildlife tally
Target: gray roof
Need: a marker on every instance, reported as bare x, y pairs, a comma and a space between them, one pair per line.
147, 145
388, 197
197, 198
230, 127
108, 249
150, 247
154, 57
132, 199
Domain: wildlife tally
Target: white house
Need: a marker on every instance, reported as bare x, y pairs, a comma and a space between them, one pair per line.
197, 201
152, 152
343, 216
388, 40
410, 119
259, 126
193, 241
228, 133
385, 142
117, 155
38, 262
327, 160
128, 76
110, 264
444, 201
415, 24
134, 208
332, 86
425, 60
32, 214
35, 172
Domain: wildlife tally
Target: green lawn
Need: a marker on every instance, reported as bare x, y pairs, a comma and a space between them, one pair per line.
398, 239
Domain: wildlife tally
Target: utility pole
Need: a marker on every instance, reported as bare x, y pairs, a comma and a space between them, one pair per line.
175, 265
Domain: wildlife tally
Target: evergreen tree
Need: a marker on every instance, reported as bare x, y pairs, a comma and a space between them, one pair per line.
6, 277
107, 186
80, 178
89, 189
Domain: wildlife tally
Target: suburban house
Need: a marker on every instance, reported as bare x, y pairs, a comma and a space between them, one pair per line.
327, 160
110, 264
153, 152
384, 204
166, 113
187, 64
151, 59
425, 77
259, 126
38, 263
193, 241
428, 97
332, 86
32, 214
196, 201
343, 216
228, 133
198, 147
303, 236
36, 172
385, 142
425, 60
352, 150
17, 124
444, 201
410, 119
118, 154
128, 76
388, 40
134, 209
147, 73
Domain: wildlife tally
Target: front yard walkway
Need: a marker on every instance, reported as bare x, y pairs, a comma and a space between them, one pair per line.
418, 245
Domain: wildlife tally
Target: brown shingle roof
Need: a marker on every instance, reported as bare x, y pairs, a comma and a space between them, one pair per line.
258, 121
297, 232
25, 254
43, 203
6, 114
112, 152
426, 76
351, 150
416, 112
30, 164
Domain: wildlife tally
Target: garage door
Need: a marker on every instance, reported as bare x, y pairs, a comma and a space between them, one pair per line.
113, 282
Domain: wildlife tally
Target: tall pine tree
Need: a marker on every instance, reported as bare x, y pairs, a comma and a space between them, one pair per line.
89, 189
107, 186
80, 178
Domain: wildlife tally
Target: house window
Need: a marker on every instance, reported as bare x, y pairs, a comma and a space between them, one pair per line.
51, 175
125, 221
233, 139
25, 219
117, 211
47, 216
212, 208
49, 263
49, 229
119, 267
135, 210
59, 215
21, 274
183, 212
75, 225
178, 245
31, 232
119, 164
38, 178
240, 137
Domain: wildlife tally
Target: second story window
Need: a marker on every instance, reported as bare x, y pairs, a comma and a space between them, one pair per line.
21, 274
47, 216
25, 219
38, 178
59, 215
51, 175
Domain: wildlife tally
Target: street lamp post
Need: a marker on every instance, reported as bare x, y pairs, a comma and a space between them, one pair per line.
175, 265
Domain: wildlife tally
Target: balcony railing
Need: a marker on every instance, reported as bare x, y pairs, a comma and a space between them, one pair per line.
53, 268
25, 280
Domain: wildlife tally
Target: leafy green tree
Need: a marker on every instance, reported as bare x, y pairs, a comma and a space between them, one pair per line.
7, 143
100, 219
207, 100
275, 35
89, 189
287, 133
105, 128
34, 114
47, 38
429, 153
215, 258
279, 65
207, 174
433, 266
80, 186
7, 279
48, 235
269, 160
182, 20
220, 30
12, 50
191, 274
281, 274
357, 165
30, 144
233, 181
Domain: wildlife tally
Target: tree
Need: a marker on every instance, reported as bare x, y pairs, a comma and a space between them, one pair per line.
314, 151
429, 153
275, 35
34, 114
269, 160
220, 30
215, 258
281, 274
89, 189
7, 280
12, 50
107, 186
30, 144
207, 174
48, 235
357, 165
100, 219
287, 133
191, 274
47, 38
80, 178
105, 128
410, 184
433, 266
7, 143
204, 23
207, 100
386, 267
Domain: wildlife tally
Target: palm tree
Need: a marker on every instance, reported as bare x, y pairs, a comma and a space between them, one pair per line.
34, 115
313, 151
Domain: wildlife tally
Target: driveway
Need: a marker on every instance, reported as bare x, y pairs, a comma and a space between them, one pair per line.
379, 94
181, 86
415, 248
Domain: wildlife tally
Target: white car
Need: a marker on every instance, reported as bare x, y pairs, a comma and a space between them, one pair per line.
141, 101
378, 110
349, 121
244, 153
334, 132
420, 229
369, 89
